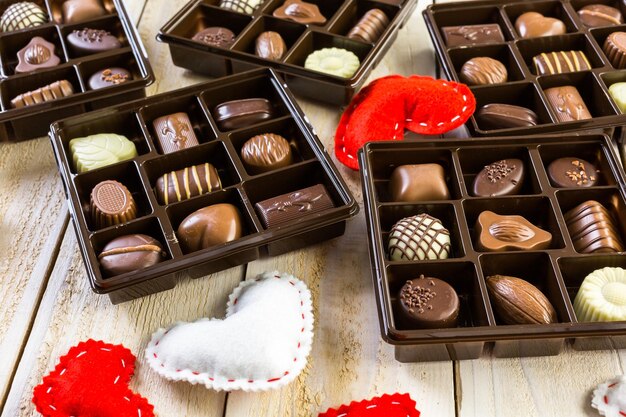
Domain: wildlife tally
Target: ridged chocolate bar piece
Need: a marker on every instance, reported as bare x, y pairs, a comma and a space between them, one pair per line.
370, 27
592, 229
236, 114
567, 103
54, 91
175, 132
292, 206
615, 49
549, 63
188, 182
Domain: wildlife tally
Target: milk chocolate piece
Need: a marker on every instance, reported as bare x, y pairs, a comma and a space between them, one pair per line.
39, 53
472, 35
241, 113
292, 206
130, 253
483, 71
187, 183
270, 45
54, 91
22, 15
370, 27
572, 173
533, 25
561, 62
505, 116
175, 132
266, 152
419, 182
592, 229
420, 237
429, 303
111, 203
217, 36
301, 12
241, 6
498, 233
615, 49
517, 301
109, 77
75, 11
567, 103
90, 41
210, 226
596, 15
504, 177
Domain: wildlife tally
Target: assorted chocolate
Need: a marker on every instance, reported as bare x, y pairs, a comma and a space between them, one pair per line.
614, 48
598, 15
602, 296
50, 92
333, 61
186, 183
419, 182
109, 77
174, 132
505, 116
534, 25
472, 35
300, 12
266, 152
217, 36
592, 229
572, 173
91, 41
429, 303
270, 45
370, 27
100, 150
504, 177
130, 253
241, 6
237, 114
420, 237
110, 204
567, 103
291, 207
483, 71
22, 15
501, 233
39, 53
210, 226
75, 11
549, 63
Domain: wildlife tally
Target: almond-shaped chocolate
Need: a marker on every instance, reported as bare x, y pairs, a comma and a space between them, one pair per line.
517, 301
130, 253
236, 114
498, 233
504, 177
301, 12
210, 226
266, 152
270, 45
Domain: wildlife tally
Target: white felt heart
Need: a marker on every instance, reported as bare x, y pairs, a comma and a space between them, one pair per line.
263, 342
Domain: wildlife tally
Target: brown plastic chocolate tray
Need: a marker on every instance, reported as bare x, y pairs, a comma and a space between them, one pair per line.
526, 88
34, 121
557, 271
134, 120
300, 39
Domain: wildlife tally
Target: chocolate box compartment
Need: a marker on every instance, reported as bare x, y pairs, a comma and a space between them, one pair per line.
111, 24
13, 42
133, 120
480, 15
320, 86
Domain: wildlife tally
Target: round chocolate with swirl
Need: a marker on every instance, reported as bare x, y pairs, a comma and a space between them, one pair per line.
429, 303
130, 253
498, 233
266, 152
504, 177
420, 237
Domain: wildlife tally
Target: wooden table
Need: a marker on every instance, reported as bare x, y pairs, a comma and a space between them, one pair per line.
47, 305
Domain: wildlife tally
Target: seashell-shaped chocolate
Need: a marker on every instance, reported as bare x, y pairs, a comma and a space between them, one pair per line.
39, 53
420, 237
592, 229
266, 152
111, 203
301, 12
498, 233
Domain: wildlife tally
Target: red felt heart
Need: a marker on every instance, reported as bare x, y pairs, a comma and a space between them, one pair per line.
387, 106
396, 405
91, 380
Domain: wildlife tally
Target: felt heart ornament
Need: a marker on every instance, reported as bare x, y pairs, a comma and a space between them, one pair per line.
262, 343
91, 380
396, 405
610, 398
387, 106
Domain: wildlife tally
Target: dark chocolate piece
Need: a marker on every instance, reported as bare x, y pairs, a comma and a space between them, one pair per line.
472, 34
592, 229
270, 45
111, 203
210, 226
370, 27
498, 233
130, 253
217, 36
266, 152
419, 182
293, 206
572, 173
54, 91
596, 15
90, 41
534, 25
483, 71
39, 53
420, 237
75, 11
241, 6
615, 49
560, 62
175, 132
301, 12
504, 116
429, 303
109, 77
22, 15
187, 183
567, 103
241, 113
504, 177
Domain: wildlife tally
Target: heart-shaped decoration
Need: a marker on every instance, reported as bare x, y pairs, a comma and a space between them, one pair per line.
534, 25
387, 106
263, 342
396, 405
91, 380
610, 398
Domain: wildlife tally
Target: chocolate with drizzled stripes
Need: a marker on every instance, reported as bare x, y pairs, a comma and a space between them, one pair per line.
549, 63
187, 183
420, 237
